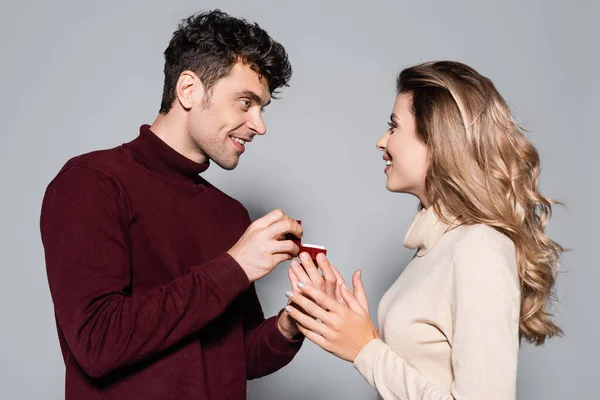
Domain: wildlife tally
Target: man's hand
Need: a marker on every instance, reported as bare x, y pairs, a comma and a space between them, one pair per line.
288, 326
261, 248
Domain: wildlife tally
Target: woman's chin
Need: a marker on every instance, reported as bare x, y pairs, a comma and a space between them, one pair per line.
398, 188
395, 188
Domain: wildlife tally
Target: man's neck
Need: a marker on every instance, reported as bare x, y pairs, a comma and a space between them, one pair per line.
171, 129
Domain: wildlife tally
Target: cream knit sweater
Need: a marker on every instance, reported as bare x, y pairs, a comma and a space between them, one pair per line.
449, 324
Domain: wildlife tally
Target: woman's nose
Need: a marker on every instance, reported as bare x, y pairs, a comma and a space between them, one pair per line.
382, 142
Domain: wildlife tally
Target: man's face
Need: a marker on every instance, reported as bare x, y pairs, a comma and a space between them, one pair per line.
222, 127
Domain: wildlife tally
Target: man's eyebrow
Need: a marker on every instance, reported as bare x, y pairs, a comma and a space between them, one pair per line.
254, 97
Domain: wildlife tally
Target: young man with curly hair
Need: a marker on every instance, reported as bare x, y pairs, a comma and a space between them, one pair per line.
150, 267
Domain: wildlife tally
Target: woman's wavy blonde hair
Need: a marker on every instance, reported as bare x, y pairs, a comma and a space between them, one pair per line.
484, 170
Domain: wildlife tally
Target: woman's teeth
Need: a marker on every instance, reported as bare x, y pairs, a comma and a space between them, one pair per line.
388, 162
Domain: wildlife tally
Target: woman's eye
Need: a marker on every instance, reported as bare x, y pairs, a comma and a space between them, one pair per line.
391, 127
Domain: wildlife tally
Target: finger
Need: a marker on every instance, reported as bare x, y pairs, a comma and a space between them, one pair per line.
309, 306
338, 276
315, 338
283, 226
321, 298
285, 247
328, 275
269, 219
279, 258
307, 321
311, 270
339, 283
293, 279
359, 290
300, 273
349, 298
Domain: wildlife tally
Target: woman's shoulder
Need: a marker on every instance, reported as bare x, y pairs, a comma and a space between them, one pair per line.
481, 235
486, 257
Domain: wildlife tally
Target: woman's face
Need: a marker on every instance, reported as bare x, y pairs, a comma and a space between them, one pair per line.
405, 154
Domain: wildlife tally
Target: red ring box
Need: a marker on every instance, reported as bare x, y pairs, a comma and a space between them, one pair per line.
311, 249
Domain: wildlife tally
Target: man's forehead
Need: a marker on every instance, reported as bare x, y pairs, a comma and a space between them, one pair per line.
243, 80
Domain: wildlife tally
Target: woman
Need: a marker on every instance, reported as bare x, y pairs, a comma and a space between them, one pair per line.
483, 272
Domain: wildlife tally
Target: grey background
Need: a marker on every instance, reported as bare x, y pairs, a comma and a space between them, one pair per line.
78, 76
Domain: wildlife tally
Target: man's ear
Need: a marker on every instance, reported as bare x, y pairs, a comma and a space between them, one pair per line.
189, 89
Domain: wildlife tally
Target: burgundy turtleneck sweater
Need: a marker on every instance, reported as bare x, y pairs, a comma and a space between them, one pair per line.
148, 303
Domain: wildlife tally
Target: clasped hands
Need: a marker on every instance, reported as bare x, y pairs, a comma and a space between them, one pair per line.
325, 309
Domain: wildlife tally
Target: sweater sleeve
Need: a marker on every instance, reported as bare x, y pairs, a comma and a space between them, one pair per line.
266, 348
485, 304
84, 227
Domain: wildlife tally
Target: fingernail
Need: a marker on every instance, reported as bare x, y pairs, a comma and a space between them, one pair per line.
321, 257
345, 287
300, 285
304, 256
288, 308
289, 294
359, 274
294, 264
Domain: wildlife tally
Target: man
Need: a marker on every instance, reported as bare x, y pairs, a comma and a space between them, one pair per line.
150, 267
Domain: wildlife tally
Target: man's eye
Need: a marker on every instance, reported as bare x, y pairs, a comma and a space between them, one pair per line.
245, 103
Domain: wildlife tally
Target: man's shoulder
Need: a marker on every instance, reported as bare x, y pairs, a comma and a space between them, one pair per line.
109, 163
102, 160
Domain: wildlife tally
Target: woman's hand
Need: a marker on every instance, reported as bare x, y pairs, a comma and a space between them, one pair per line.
345, 329
307, 272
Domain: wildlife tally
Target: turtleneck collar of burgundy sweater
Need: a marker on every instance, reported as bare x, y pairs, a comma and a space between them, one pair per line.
158, 156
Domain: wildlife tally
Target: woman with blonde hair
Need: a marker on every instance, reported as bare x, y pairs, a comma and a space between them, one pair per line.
484, 270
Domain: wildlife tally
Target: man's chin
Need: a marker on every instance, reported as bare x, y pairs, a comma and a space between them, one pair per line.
228, 165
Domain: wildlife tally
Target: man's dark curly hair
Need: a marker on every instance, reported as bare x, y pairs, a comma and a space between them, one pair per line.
211, 43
